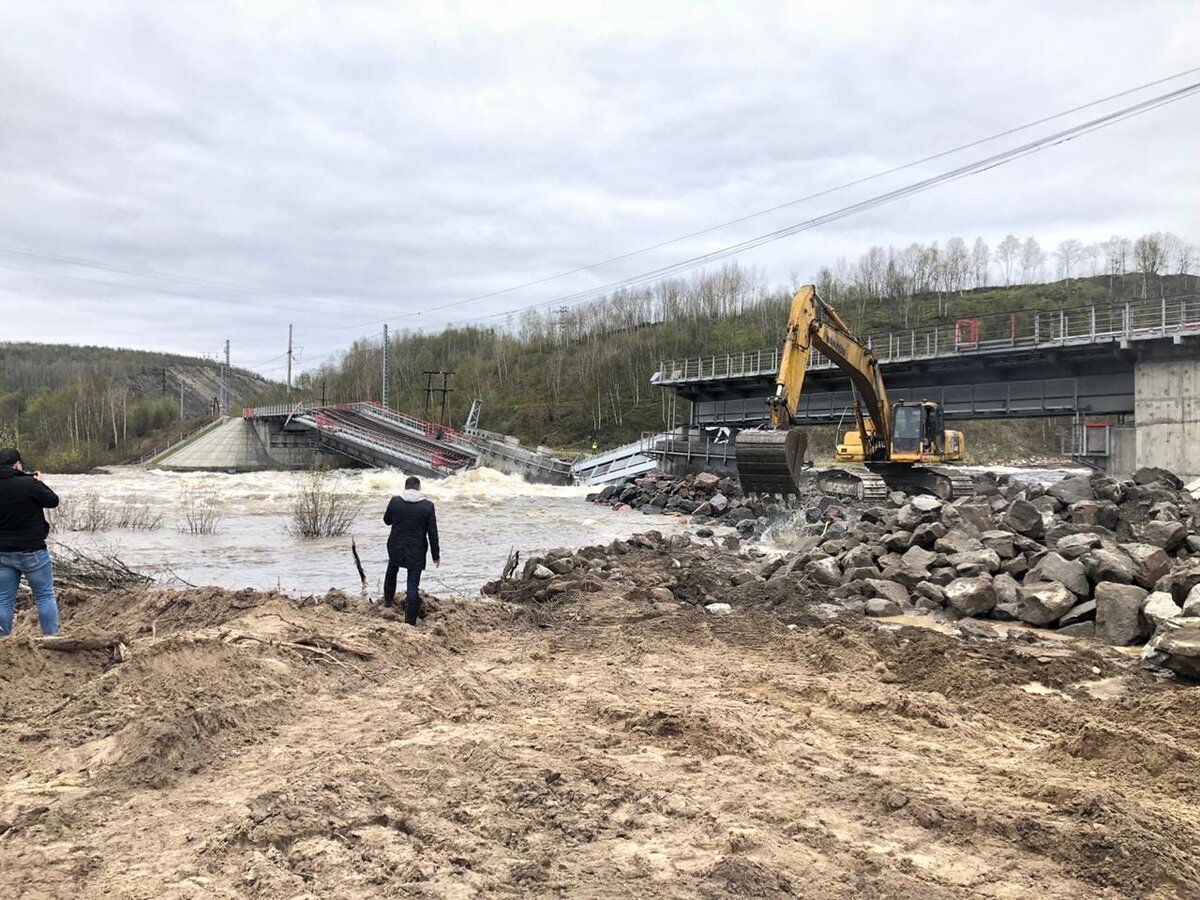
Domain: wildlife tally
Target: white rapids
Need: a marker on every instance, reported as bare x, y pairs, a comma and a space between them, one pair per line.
482, 515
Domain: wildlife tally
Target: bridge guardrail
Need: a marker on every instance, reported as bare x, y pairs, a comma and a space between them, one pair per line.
1133, 320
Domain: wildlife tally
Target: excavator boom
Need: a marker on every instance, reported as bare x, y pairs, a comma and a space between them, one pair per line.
770, 461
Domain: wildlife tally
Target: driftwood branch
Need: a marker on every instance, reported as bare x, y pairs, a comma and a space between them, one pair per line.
358, 564
307, 645
81, 644
510, 566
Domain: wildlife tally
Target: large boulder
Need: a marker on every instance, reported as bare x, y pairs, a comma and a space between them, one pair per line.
1008, 591
918, 557
975, 562
969, 514
925, 535
1153, 474
888, 590
1080, 612
1107, 488
1041, 604
918, 511
719, 504
1068, 572
999, 542
957, 541
1091, 513
1073, 546
1024, 518
1177, 645
1119, 619
1159, 607
1191, 603
1152, 563
934, 594
1072, 490
1109, 565
881, 606
971, 596
825, 571
1167, 535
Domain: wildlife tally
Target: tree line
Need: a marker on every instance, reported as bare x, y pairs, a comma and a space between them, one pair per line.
570, 375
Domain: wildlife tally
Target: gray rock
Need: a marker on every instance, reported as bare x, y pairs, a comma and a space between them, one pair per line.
561, 566
889, 590
1191, 603
825, 571
925, 535
976, 562
719, 609
1042, 604
1119, 619
1153, 474
957, 541
927, 605
1102, 513
918, 557
897, 541
1067, 572
881, 606
1024, 518
861, 573
999, 542
719, 504
1007, 589
910, 515
1072, 490
862, 555
743, 577
1150, 564
971, 596
739, 514
1159, 607
1016, 567
974, 628
540, 571
1109, 565
1073, 546
1080, 612
1167, 535
1179, 644
926, 504
1007, 612
662, 594
905, 574
1047, 504
704, 532
969, 514
935, 594
1079, 630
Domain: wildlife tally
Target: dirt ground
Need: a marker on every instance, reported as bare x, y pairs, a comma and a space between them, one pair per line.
608, 747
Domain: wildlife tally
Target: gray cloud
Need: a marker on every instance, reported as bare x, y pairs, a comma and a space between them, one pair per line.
369, 161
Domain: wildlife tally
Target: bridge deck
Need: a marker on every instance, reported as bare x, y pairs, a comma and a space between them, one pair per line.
994, 334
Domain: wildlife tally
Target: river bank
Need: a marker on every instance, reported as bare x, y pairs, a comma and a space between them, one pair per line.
601, 741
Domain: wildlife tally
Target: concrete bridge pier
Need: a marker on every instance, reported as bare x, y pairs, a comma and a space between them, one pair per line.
1166, 418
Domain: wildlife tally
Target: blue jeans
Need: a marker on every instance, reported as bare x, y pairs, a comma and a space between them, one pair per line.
412, 599
35, 566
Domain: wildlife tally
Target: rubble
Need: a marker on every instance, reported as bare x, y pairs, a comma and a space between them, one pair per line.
1089, 556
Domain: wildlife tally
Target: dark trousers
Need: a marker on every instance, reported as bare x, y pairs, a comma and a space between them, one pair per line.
412, 599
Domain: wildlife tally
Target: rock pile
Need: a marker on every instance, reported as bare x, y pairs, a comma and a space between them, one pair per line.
707, 499
1088, 556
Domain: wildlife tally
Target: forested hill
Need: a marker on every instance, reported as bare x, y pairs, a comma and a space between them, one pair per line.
70, 408
568, 379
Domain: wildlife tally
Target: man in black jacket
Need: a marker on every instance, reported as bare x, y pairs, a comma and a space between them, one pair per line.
414, 529
23, 530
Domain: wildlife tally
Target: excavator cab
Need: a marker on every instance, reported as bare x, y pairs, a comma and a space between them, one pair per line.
917, 431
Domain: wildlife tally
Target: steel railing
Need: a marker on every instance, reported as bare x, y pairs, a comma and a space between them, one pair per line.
997, 332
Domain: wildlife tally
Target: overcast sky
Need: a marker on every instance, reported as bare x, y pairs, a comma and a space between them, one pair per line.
350, 163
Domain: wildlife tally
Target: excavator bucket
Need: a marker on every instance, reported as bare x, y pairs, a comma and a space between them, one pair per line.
769, 462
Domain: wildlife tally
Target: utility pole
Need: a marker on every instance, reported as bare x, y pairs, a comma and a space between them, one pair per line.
429, 389
289, 388
445, 390
385, 365
225, 384
180, 399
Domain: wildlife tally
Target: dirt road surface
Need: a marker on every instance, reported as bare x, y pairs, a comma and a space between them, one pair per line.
609, 747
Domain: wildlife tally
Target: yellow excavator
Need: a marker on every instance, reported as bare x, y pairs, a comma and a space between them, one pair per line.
893, 444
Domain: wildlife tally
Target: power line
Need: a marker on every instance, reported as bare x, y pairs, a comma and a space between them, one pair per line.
84, 262
956, 174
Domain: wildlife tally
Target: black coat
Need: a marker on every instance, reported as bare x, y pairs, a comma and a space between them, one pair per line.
22, 499
414, 529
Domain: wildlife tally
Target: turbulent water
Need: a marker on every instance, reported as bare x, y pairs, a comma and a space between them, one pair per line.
482, 515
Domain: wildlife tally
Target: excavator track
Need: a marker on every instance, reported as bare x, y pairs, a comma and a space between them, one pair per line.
871, 483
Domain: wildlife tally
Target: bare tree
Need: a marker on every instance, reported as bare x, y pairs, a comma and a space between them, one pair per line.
1069, 254
980, 257
1032, 259
1007, 254
1149, 257
1091, 253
